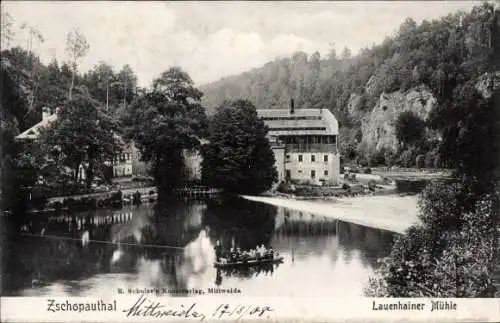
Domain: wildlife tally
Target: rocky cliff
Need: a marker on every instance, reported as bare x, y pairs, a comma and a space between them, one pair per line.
377, 126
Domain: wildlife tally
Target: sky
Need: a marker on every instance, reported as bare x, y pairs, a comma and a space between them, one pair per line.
211, 40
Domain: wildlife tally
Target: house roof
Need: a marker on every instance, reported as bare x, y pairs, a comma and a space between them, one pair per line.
301, 122
34, 131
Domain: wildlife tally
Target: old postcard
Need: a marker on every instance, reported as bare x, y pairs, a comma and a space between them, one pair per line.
250, 161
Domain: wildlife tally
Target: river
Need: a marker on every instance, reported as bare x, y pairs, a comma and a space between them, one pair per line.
172, 247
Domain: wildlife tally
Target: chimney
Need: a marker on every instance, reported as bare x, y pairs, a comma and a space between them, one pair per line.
45, 113
292, 106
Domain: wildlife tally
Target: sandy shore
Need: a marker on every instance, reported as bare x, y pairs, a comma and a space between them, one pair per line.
391, 212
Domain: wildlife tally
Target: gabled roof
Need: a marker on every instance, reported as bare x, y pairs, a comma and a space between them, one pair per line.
301, 122
34, 131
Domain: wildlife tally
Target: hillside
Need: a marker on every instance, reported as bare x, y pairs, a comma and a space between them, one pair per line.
418, 69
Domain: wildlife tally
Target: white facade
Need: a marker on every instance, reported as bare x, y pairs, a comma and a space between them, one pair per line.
315, 167
305, 145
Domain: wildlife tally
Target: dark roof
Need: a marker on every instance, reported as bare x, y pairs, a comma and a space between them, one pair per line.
301, 122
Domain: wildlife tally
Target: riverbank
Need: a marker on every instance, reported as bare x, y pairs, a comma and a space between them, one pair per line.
390, 212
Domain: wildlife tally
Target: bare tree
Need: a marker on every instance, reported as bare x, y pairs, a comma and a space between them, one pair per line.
6, 28
33, 34
76, 48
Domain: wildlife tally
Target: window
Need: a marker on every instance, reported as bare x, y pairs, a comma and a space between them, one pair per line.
313, 158
300, 158
300, 171
326, 173
325, 158
287, 157
288, 174
313, 174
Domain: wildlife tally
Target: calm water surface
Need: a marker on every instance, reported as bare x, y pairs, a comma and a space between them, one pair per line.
171, 246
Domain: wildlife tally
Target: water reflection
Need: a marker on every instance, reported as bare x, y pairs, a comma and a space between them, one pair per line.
172, 246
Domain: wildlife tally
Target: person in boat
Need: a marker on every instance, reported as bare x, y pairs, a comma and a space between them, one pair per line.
245, 256
218, 250
252, 254
271, 253
261, 251
233, 256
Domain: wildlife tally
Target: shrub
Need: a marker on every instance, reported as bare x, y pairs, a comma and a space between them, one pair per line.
409, 127
389, 157
367, 170
419, 161
372, 185
437, 162
429, 159
346, 186
137, 198
407, 157
284, 187
377, 158
451, 254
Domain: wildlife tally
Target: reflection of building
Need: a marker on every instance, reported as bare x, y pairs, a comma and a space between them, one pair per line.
304, 142
193, 165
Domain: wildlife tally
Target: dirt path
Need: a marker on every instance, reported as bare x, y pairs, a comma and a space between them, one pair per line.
390, 212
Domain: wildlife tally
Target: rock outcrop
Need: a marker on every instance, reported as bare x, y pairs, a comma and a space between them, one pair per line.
378, 125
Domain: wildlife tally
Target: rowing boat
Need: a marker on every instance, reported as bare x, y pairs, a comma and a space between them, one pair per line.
250, 262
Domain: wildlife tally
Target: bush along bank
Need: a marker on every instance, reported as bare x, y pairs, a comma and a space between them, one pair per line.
350, 188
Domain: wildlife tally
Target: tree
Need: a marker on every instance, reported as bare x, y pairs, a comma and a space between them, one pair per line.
127, 84
238, 157
6, 27
346, 54
83, 135
52, 90
76, 48
469, 127
165, 122
99, 81
409, 128
419, 161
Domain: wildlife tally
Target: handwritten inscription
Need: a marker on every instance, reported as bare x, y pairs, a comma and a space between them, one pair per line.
145, 307
239, 311
152, 308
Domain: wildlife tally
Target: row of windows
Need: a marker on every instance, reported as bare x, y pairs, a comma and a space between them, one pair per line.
313, 173
317, 139
292, 118
123, 157
297, 129
313, 158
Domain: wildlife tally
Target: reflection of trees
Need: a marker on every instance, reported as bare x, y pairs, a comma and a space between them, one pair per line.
247, 223
372, 243
176, 228
304, 224
245, 271
175, 224
43, 260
